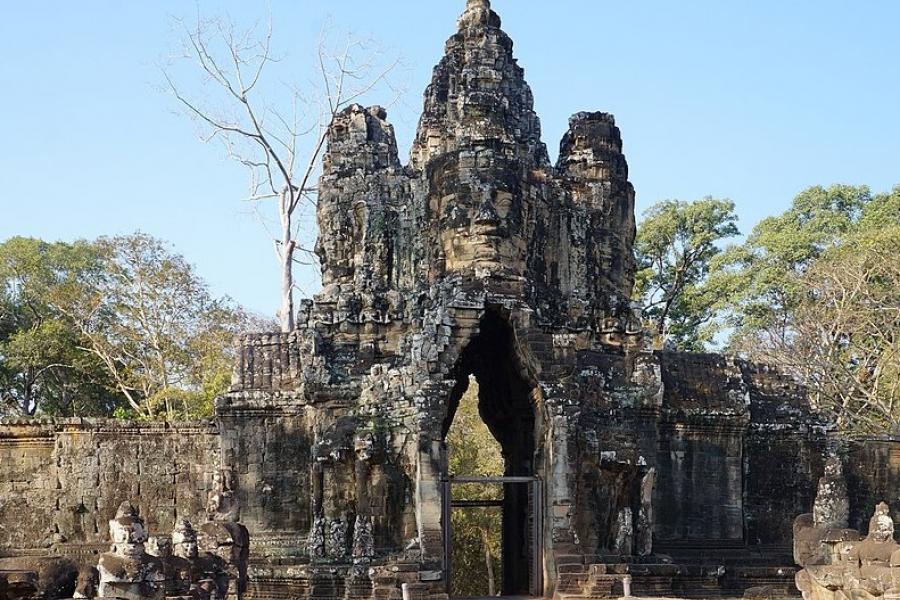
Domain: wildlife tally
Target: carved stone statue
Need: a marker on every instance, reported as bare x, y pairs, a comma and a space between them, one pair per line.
624, 529
847, 568
127, 571
363, 539
221, 504
643, 543
224, 539
183, 570
225, 547
333, 449
832, 506
87, 584
872, 557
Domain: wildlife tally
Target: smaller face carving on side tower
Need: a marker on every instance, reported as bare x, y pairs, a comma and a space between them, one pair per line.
480, 218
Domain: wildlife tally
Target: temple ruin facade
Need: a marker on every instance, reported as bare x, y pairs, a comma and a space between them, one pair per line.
670, 473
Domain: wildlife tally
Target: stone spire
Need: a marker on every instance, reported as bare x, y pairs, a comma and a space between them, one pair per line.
479, 206
477, 11
478, 97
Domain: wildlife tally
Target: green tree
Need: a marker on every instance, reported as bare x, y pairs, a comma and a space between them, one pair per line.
474, 452
764, 274
814, 291
118, 326
675, 244
882, 211
42, 366
843, 334
162, 338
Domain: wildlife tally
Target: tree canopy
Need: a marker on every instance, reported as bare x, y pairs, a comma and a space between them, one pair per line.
812, 291
42, 364
675, 245
764, 275
119, 325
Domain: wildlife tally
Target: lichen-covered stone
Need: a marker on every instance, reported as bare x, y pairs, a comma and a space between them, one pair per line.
127, 571
849, 566
322, 475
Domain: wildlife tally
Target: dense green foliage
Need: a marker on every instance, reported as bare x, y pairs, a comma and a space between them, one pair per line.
117, 326
813, 290
675, 245
816, 291
43, 367
764, 275
474, 452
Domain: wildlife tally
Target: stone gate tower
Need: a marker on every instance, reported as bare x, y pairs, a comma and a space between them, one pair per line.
481, 258
478, 258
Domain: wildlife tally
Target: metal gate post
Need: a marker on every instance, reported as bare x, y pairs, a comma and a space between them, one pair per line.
537, 529
446, 508
537, 541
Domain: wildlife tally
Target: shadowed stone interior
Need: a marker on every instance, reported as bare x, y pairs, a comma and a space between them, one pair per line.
506, 405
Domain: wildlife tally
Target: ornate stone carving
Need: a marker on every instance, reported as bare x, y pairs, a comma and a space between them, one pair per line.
643, 543
624, 540
221, 504
127, 571
479, 259
847, 567
225, 541
832, 506
88, 583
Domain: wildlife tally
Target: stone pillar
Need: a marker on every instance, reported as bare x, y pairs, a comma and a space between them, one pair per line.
831, 509
643, 545
428, 500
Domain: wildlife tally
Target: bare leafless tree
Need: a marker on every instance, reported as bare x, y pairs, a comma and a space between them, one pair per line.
281, 147
843, 339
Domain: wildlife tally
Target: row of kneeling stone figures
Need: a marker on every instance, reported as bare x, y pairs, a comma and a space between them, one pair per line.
838, 563
205, 564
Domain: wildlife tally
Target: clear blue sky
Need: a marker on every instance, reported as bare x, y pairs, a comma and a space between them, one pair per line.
748, 100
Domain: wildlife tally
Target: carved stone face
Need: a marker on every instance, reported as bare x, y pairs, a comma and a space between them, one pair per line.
479, 216
184, 540
881, 526
364, 445
127, 529
159, 546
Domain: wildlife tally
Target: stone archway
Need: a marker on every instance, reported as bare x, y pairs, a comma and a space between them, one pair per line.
506, 404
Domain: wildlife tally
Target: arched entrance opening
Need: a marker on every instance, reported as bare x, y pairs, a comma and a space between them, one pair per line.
495, 403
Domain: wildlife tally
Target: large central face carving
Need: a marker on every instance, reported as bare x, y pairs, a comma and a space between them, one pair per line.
480, 215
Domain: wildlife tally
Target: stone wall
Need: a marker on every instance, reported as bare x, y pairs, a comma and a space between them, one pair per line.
872, 470
699, 492
62, 480
477, 259
785, 449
